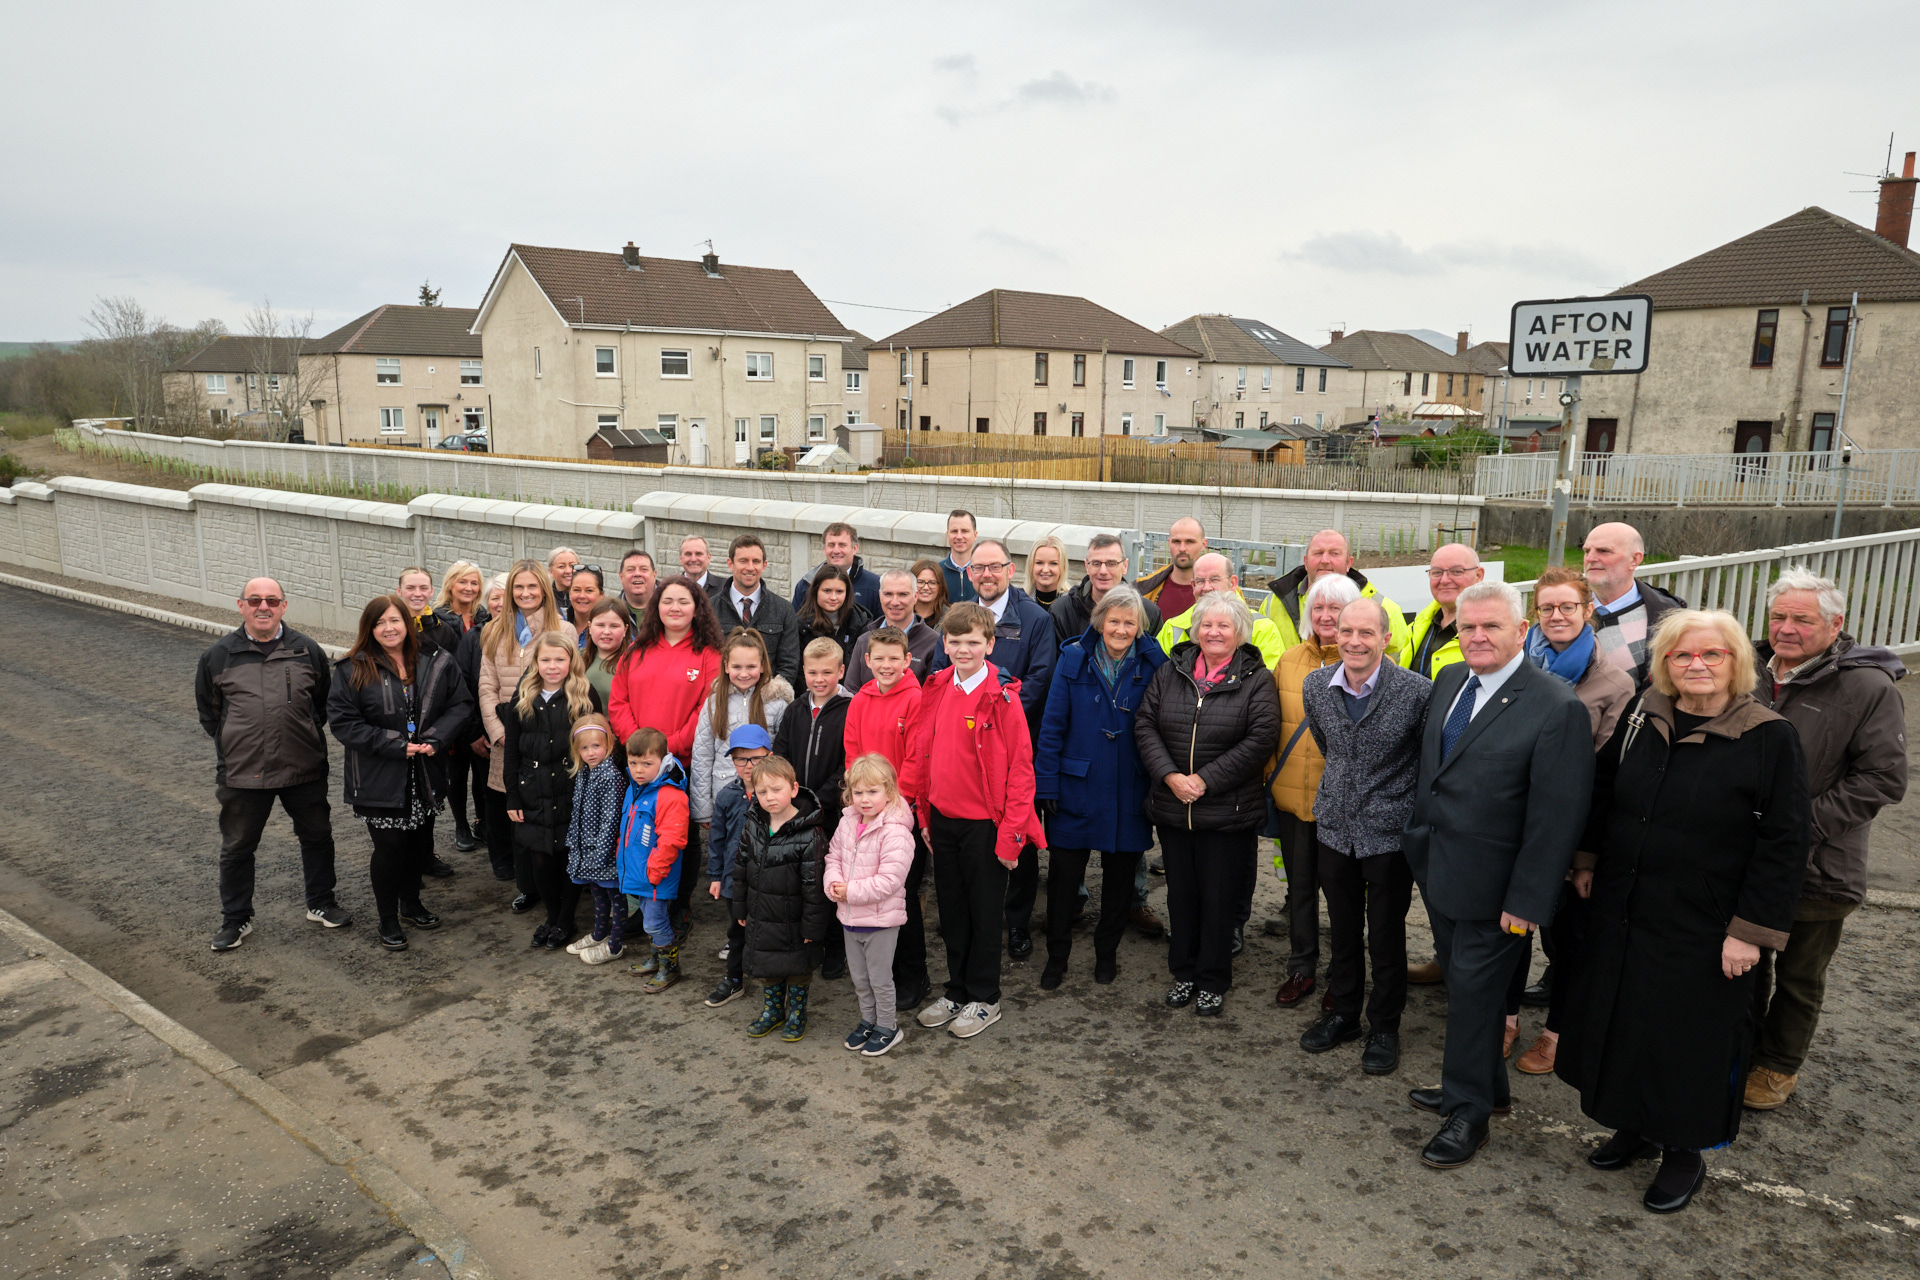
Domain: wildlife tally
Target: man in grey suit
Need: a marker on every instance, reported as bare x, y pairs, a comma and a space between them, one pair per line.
1506, 776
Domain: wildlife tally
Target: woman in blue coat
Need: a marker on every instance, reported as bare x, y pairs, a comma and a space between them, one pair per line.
1088, 780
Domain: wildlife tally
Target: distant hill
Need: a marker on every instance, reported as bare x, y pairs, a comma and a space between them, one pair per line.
8, 350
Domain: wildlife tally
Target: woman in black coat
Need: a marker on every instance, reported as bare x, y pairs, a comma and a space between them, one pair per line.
466, 618
1693, 857
1206, 728
397, 708
552, 695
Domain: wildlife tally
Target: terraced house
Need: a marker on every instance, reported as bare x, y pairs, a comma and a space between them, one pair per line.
727, 363
1254, 377
396, 375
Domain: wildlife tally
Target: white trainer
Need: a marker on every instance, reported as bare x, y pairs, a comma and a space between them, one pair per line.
939, 1013
974, 1019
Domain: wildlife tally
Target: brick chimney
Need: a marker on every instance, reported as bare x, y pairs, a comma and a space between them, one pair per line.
1336, 335
1460, 343
631, 256
1895, 220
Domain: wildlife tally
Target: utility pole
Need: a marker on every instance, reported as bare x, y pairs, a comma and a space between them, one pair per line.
1103, 411
1563, 484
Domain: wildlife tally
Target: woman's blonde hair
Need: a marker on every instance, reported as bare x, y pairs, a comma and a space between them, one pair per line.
498, 639
1060, 583
590, 723
1745, 673
578, 692
456, 571
739, 638
870, 770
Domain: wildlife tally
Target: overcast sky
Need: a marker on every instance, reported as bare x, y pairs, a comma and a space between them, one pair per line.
1383, 165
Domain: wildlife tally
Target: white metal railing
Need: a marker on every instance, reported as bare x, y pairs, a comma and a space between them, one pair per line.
1876, 477
1879, 574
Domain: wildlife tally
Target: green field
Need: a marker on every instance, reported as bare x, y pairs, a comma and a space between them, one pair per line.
24, 426
1525, 563
8, 350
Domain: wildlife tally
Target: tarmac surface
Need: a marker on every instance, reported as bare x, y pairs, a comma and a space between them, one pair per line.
572, 1126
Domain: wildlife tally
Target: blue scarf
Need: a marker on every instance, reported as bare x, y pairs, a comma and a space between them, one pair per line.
1108, 668
521, 630
1569, 664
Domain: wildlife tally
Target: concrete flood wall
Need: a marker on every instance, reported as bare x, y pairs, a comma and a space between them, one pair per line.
1375, 521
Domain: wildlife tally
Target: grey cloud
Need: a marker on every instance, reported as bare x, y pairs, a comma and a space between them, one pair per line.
1061, 89
1385, 253
1032, 248
964, 63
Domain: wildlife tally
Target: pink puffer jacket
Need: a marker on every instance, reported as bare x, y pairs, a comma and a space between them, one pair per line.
874, 865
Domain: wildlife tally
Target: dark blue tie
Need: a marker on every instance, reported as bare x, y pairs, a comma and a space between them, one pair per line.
1461, 716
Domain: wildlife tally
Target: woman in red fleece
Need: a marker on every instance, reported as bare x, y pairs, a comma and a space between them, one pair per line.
662, 684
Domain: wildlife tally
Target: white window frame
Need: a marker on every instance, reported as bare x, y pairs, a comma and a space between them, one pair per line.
393, 422
854, 380
216, 384
1126, 373
1318, 418
1263, 419
1266, 378
759, 366
1300, 378
273, 382
613, 362
1241, 385
607, 420
816, 426
1159, 424
769, 428
853, 417
1126, 424
906, 368
813, 363
536, 362
386, 371
470, 373
668, 425
685, 357
1159, 373
1323, 379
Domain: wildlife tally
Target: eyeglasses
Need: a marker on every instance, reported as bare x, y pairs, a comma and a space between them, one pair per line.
927, 586
1105, 564
1685, 657
978, 567
272, 602
1572, 609
1452, 573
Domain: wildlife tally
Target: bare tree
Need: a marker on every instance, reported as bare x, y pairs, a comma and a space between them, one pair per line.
139, 348
275, 343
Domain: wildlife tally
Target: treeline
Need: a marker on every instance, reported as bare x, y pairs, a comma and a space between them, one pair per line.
117, 372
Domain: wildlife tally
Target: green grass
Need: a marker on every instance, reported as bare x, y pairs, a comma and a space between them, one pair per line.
1524, 564
25, 426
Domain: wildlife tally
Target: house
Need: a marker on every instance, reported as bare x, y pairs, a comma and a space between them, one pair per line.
1511, 400
224, 380
730, 363
1392, 373
853, 380
1254, 376
1009, 361
1748, 350
397, 375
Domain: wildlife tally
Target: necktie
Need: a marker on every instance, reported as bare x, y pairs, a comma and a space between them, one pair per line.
746, 611
1461, 716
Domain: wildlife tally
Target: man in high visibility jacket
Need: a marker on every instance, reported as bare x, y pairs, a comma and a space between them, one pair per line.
1214, 572
1432, 643
1328, 551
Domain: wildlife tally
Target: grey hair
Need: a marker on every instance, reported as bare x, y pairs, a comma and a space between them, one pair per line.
1335, 587
1503, 591
1119, 596
1227, 602
899, 573
1833, 601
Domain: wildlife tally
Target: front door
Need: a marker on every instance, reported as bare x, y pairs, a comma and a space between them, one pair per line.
740, 453
431, 417
1752, 437
697, 441
1601, 434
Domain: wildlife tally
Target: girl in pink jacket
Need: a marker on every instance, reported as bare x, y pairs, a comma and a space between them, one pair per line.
866, 873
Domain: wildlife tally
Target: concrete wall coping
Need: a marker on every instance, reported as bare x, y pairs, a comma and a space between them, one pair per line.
26, 489
144, 494
287, 500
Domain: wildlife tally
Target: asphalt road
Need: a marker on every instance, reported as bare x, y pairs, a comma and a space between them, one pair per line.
575, 1127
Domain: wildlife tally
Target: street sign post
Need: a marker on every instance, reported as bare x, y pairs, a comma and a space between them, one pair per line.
1572, 338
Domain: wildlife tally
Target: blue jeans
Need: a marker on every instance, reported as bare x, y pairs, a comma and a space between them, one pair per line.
653, 917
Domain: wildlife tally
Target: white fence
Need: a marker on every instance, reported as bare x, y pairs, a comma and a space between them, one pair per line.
1879, 574
1877, 477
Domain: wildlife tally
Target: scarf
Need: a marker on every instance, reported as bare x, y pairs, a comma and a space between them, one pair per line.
1109, 667
522, 630
1206, 678
1569, 664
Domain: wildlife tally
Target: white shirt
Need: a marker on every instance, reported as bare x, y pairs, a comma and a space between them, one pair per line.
998, 607
1366, 689
740, 600
972, 682
1489, 685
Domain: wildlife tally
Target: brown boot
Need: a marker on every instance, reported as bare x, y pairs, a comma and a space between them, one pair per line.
1538, 1061
1423, 975
1769, 1089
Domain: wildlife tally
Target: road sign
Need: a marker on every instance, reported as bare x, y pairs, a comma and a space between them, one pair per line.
1571, 336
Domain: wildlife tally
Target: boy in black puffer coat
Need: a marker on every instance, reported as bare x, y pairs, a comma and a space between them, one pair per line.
779, 897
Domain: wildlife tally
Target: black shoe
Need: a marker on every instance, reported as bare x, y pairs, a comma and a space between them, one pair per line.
1019, 943
1179, 995
912, 997
1207, 1004
539, 938
1621, 1150
524, 903
464, 841
833, 968
1382, 1054
1457, 1143
333, 916
1051, 976
1329, 1030
557, 937
440, 869
1239, 942
231, 933
1105, 971
416, 914
1157, 866
1540, 994
503, 873
1429, 1100
391, 937
1668, 1198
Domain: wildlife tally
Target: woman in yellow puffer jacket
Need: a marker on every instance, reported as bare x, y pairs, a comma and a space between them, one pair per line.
1296, 780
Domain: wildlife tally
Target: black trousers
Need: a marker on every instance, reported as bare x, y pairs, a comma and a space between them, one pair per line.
910, 950
1249, 880
1023, 886
1066, 875
970, 884
1204, 876
243, 817
1367, 901
1563, 940
557, 890
736, 944
691, 863
399, 860
1477, 960
1300, 855
464, 767
500, 850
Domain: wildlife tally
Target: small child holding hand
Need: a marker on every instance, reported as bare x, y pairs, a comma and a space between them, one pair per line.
866, 872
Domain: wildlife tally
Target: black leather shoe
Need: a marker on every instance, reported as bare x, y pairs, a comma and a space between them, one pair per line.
1382, 1054
524, 903
1429, 1100
1457, 1143
1658, 1201
417, 915
440, 870
557, 937
539, 938
464, 841
1105, 971
1051, 976
912, 997
1540, 994
1019, 943
1329, 1030
392, 938
503, 873
1239, 942
1621, 1150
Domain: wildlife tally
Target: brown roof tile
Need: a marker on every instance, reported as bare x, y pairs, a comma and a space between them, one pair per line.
231, 354
1487, 357
1238, 340
1378, 349
395, 330
1814, 251
599, 289
1037, 322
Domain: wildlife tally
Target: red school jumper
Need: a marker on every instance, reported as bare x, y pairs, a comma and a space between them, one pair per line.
664, 687
990, 760
887, 723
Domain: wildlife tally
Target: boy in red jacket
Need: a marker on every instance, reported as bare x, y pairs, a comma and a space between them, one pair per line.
974, 760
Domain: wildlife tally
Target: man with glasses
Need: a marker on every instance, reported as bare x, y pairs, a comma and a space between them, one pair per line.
1024, 647
897, 588
1214, 572
1106, 569
262, 697
1625, 612
1432, 642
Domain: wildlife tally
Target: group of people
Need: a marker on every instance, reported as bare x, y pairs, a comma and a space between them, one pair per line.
1681, 815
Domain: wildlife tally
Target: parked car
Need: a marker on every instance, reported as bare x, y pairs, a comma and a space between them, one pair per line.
473, 442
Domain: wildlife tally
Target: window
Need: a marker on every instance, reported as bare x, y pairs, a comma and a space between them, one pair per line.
1040, 374
1078, 425
1318, 419
668, 425
252, 382
1833, 351
273, 382
903, 418
817, 427
1160, 373
1126, 424
605, 420
1079, 371
1426, 384
769, 428
1126, 373
1263, 419
218, 417
1406, 387
1449, 384
759, 366
386, 369
926, 422
1040, 420
1240, 385
393, 422
1266, 378
853, 416
1323, 379
1820, 440
1299, 421
536, 362
469, 373
853, 380
676, 364
217, 383
603, 362
816, 368
1239, 422
1300, 379
1159, 424
926, 367
982, 426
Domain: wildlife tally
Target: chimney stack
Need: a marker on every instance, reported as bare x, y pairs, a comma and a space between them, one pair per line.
1336, 335
1895, 221
1460, 343
631, 256
710, 261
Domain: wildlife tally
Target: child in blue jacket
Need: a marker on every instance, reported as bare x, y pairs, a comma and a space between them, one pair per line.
653, 834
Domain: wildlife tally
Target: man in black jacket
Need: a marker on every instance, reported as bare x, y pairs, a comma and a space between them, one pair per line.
1506, 775
745, 600
842, 547
1106, 569
262, 697
896, 610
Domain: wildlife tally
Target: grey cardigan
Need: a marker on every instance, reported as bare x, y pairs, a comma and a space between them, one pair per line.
1366, 791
